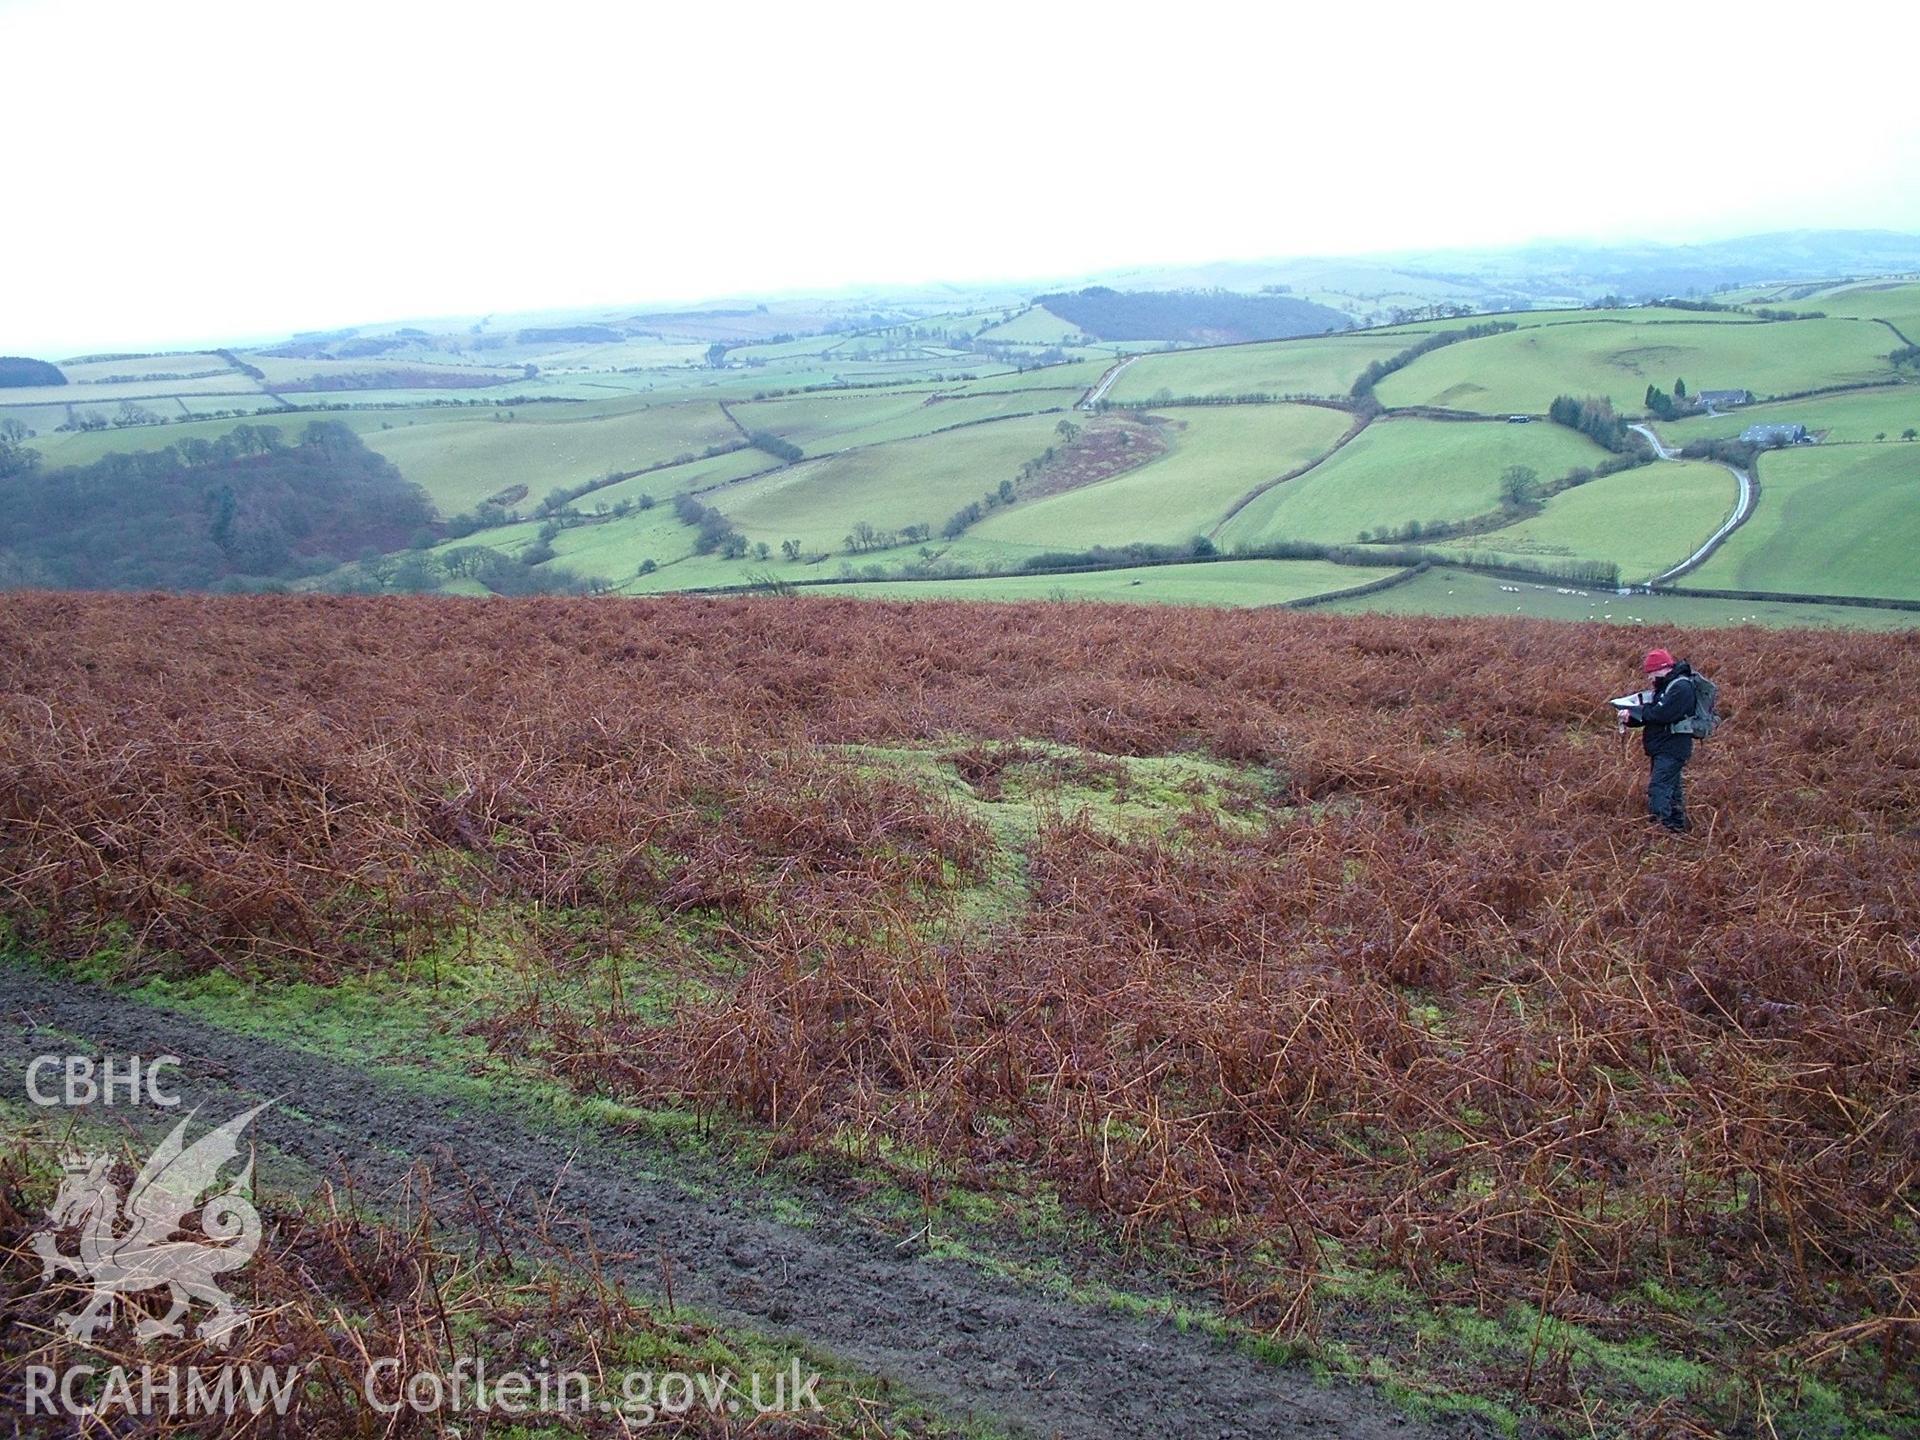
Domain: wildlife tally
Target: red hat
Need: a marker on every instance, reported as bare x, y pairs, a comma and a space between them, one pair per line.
1657, 660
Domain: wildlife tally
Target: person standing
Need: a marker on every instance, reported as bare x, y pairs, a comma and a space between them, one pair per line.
1666, 726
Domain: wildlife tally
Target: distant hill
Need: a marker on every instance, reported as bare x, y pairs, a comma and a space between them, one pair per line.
1211, 317
18, 370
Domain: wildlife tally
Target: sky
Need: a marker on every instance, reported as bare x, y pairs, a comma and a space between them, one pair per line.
185, 171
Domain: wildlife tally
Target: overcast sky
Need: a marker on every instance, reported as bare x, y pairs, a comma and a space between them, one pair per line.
183, 170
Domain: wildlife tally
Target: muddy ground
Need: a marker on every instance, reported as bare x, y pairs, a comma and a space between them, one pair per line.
970, 1343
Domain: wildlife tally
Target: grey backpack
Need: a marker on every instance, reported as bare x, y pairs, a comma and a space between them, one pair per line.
1701, 723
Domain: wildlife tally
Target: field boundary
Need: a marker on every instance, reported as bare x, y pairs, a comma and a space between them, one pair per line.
1361, 421
1859, 602
1372, 587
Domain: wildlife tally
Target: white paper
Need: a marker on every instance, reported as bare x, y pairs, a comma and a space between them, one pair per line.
1627, 702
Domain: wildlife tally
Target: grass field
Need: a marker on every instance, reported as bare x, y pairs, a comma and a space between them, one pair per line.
1523, 370
1217, 455
698, 474
1324, 365
827, 421
1645, 521
1841, 521
1534, 319
460, 463
292, 374
1850, 416
921, 447
1077, 374
112, 392
1398, 471
1896, 302
1036, 326
177, 366
1443, 591
906, 482
1227, 582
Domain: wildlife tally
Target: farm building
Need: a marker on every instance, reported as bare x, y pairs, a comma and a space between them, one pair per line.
1775, 435
1725, 399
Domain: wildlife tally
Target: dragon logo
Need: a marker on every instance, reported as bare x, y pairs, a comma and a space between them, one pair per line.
129, 1248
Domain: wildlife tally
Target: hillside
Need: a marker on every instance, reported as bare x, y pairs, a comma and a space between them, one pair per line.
247, 506
1019, 972
840, 443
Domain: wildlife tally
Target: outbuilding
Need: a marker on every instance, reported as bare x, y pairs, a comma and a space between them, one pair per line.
1775, 435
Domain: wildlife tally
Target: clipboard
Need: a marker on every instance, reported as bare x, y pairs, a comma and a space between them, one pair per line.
1628, 702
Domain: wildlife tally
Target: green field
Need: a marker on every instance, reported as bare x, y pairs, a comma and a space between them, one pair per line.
1840, 521
112, 392
826, 421
1534, 319
905, 482
177, 366
1226, 582
461, 462
1217, 455
1523, 370
1896, 302
1036, 326
1397, 471
1646, 521
1851, 416
900, 428
698, 474
1076, 374
1322, 365
1442, 591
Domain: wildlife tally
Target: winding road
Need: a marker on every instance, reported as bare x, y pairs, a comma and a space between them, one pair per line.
1105, 383
1743, 507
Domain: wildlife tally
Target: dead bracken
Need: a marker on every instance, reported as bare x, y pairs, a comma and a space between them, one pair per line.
1427, 1004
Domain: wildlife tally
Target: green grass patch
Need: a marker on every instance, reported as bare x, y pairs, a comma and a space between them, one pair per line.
1523, 370
1233, 582
1215, 456
1830, 521
1398, 471
462, 463
1321, 365
1645, 521
906, 482
1442, 591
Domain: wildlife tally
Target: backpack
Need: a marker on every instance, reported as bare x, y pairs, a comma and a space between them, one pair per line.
1701, 723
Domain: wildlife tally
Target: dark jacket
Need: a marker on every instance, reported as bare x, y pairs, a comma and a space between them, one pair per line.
1674, 699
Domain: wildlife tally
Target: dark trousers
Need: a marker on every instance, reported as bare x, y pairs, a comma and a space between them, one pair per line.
1666, 789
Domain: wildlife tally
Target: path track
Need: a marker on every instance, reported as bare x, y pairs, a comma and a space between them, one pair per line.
1742, 508
973, 1344
1105, 383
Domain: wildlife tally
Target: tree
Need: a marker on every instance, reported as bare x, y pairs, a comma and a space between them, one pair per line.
1518, 485
1679, 389
15, 457
716, 355
790, 549
1910, 433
